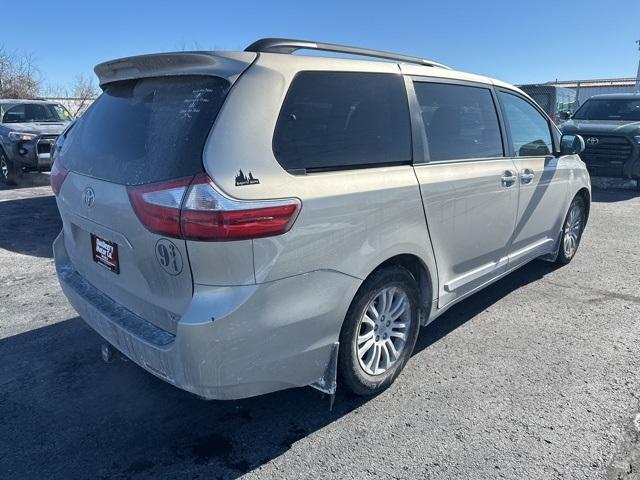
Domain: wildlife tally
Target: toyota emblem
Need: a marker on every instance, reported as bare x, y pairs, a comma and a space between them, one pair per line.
592, 141
88, 197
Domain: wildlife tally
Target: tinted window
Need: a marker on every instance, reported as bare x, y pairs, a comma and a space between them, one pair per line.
340, 119
610, 109
530, 133
460, 122
145, 130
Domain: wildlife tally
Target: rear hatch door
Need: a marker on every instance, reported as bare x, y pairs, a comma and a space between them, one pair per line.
141, 131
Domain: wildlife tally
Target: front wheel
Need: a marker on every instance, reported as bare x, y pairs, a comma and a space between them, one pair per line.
379, 331
572, 229
9, 173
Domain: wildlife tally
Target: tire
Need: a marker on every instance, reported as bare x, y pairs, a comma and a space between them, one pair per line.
9, 174
396, 287
572, 229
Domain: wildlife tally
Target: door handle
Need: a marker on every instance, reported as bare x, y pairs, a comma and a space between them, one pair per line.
527, 176
508, 178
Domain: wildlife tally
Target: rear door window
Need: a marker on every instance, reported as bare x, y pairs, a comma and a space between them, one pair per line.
145, 130
460, 122
530, 132
337, 120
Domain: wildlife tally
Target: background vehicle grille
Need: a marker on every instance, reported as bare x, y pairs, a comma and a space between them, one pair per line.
607, 157
45, 143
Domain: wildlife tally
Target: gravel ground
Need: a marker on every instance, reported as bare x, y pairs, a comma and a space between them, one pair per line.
535, 377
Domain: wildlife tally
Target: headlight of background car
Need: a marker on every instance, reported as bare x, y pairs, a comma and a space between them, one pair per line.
21, 137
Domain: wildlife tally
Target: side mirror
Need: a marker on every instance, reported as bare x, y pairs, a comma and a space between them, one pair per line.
564, 116
571, 145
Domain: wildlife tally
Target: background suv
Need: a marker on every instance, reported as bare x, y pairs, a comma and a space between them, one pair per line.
610, 126
28, 130
242, 222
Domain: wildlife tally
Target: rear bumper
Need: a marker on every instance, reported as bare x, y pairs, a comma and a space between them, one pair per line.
231, 342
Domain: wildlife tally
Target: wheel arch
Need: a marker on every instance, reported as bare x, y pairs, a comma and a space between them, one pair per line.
586, 196
420, 272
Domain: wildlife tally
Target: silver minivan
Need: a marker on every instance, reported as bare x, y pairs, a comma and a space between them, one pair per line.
243, 222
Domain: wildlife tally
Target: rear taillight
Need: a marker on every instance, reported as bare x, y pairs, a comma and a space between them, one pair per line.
193, 209
58, 174
157, 205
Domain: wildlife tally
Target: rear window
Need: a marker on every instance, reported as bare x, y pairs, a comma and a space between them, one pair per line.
145, 130
336, 120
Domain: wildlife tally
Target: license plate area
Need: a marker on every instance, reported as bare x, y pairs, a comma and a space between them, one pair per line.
105, 253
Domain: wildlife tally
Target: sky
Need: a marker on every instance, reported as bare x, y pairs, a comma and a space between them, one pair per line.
515, 41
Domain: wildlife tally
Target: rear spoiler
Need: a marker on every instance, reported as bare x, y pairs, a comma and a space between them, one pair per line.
228, 65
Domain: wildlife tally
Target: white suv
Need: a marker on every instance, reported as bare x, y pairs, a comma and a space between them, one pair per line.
243, 222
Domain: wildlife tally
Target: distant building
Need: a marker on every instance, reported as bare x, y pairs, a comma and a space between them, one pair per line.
588, 88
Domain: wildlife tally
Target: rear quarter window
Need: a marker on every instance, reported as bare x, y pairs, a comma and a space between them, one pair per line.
337, 120
145, 130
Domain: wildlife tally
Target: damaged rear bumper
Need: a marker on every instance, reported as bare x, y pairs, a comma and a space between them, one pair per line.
231, 342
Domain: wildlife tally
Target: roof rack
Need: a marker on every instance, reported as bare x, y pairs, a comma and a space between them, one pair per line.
287, 45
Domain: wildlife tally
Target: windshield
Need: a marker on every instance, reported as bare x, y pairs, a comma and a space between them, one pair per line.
35, 112
610, 109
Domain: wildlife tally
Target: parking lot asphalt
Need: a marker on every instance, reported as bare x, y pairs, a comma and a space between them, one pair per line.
535, 377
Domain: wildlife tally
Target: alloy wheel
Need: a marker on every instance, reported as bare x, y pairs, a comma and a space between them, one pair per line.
383, 329
572, 229
4, 168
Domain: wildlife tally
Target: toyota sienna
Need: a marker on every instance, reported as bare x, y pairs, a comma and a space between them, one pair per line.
243, 222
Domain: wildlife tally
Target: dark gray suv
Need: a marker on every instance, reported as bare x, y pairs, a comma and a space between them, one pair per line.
28, 130
610, 126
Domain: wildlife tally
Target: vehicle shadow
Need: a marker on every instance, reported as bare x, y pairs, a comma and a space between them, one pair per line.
29, 180
70, 415
610, 196
467, 309
29, 225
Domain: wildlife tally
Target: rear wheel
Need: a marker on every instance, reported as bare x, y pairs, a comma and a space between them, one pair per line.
379, 331
9, 173
572, 230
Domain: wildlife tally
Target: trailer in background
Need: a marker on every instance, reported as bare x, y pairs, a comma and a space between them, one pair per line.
588, 88
559, 102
